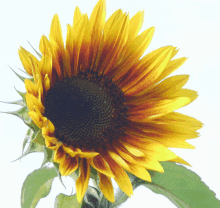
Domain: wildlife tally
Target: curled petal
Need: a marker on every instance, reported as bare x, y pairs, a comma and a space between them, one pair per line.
69, 165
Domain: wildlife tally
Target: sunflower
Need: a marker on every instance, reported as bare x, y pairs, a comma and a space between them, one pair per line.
100, 104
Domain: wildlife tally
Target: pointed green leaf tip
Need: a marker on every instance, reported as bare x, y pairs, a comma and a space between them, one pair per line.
64, 201
36, 186
182, 186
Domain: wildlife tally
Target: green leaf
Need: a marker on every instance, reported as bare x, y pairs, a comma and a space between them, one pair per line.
56, 166
39, 138
182, 186
36, 186
48, 155
64, 201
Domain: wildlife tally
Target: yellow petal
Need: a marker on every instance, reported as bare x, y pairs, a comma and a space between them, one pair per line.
119, 160
31, 87
149, 163
46, 65
70, 151
133, 150
171, 67
56, 32
45, 46
33, 103
77, 15
83, 179
121, 176
37, 118
26, 61
140, 172
180, 160
135, 25
87, 155
102, 166
106, 187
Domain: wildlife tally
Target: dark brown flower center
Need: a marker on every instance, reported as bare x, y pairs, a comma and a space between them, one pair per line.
87, 111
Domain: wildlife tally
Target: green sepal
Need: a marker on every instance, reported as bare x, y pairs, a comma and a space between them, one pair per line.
40, 56
17, 102
64, 201
48, 156
56, 166
182, 186
92, 198
74, 175
19, 76
38, 138
28, 137
37, 185
33, 147
22, 94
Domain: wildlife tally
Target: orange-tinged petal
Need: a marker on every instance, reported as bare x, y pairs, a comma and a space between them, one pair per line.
113, 45
165, 89
97, 22
154, 109
152, 70
83, 179
69, 165
106, 187
133, 53
59, 155
51, 145
101, 166
124, 153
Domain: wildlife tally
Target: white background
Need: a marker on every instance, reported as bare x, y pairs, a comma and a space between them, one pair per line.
192, 26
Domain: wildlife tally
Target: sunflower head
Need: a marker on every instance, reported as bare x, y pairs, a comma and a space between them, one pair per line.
99, 104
